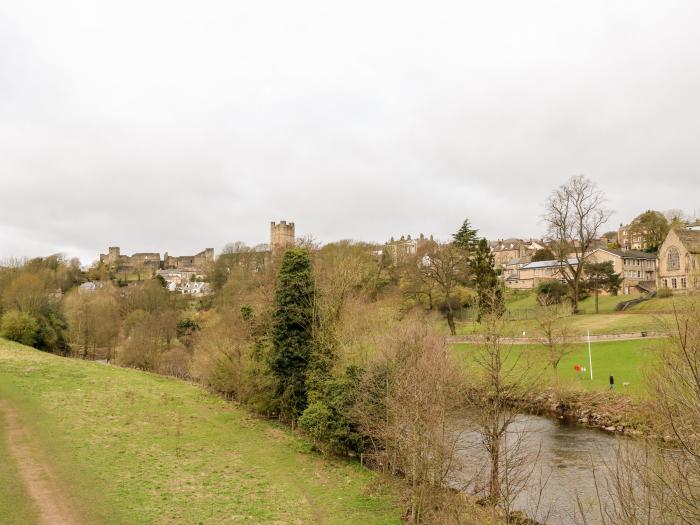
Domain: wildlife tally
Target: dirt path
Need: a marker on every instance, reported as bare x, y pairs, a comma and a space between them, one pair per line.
572, 339
38, 480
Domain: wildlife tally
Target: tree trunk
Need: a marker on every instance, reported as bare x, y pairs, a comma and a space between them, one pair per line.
574, 298
451, 321
596, 297
495, 483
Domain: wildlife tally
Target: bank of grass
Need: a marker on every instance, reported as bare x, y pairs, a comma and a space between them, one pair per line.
627, 361
131, 447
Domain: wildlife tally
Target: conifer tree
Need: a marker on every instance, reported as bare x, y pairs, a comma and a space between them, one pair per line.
465, 237
293, 332
488, 289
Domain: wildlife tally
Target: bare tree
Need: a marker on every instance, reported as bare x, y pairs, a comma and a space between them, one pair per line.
574, 214
659, 482
553, 325
505, 375
447, 266
405, 406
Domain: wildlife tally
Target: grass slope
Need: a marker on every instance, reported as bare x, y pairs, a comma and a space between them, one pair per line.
627, 361
133, 447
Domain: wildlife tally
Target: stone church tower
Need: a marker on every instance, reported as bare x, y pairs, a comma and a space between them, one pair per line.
281, 236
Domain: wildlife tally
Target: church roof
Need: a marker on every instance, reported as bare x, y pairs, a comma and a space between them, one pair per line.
690, 239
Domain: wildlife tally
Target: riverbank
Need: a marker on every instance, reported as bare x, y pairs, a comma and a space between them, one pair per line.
609, 411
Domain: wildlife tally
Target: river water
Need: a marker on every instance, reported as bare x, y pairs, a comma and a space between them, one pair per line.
558, 460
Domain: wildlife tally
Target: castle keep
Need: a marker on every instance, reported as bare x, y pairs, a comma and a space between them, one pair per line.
281, 236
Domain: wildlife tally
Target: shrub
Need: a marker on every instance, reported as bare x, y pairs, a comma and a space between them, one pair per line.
20, 327
551, 291
663, 293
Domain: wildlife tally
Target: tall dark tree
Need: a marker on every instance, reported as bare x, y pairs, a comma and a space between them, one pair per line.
293, 332
602, 276
465, 237
488, 289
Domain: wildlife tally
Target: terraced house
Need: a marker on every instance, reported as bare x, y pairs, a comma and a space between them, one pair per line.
637, 268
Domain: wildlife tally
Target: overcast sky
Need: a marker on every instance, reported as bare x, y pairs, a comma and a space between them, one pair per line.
174, 126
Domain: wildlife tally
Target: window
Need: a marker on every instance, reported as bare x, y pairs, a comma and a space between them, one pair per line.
674, 283
664, 283
683, 282
673, 259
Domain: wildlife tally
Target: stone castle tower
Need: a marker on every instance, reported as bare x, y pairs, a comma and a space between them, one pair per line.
113, 256
281, 236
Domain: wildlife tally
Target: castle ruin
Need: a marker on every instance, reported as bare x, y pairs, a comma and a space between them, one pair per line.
151, 261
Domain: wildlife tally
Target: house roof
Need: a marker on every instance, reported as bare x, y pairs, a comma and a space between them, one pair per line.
548, 264
690, 239
630, 254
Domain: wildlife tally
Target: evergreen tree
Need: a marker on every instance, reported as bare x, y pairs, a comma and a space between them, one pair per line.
602, 276
465, 238
293, 332
488, 289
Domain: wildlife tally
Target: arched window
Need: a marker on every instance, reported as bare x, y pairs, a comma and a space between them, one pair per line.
674, 259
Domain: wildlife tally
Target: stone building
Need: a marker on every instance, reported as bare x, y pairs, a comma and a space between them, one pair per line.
117, 262
630, 239
530, 275
505, 250
679, 261
404, 247
638, 269
281, 236
199, 261
151, 262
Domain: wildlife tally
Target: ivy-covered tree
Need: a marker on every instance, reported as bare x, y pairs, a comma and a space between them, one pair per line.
292, 332
488, 289
465, 238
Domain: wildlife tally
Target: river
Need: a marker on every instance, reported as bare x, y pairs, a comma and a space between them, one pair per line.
558, 458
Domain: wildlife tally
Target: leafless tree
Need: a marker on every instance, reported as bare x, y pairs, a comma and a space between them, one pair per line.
553, 325
447, 266
574, 214
504, 376
405, 406
659, 482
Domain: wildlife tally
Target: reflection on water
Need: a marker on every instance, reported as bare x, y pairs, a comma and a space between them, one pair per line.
561, 458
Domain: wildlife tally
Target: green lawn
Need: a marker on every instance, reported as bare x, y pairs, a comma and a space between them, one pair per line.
131, 447
580, 324
627, 361
606, 303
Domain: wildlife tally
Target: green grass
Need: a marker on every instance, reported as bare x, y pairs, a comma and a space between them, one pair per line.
131, 447
606, 303
15, 507
627, 361
581, 324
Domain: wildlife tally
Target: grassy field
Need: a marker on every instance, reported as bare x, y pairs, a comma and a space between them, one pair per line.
580, 324
131, 447
627, 361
